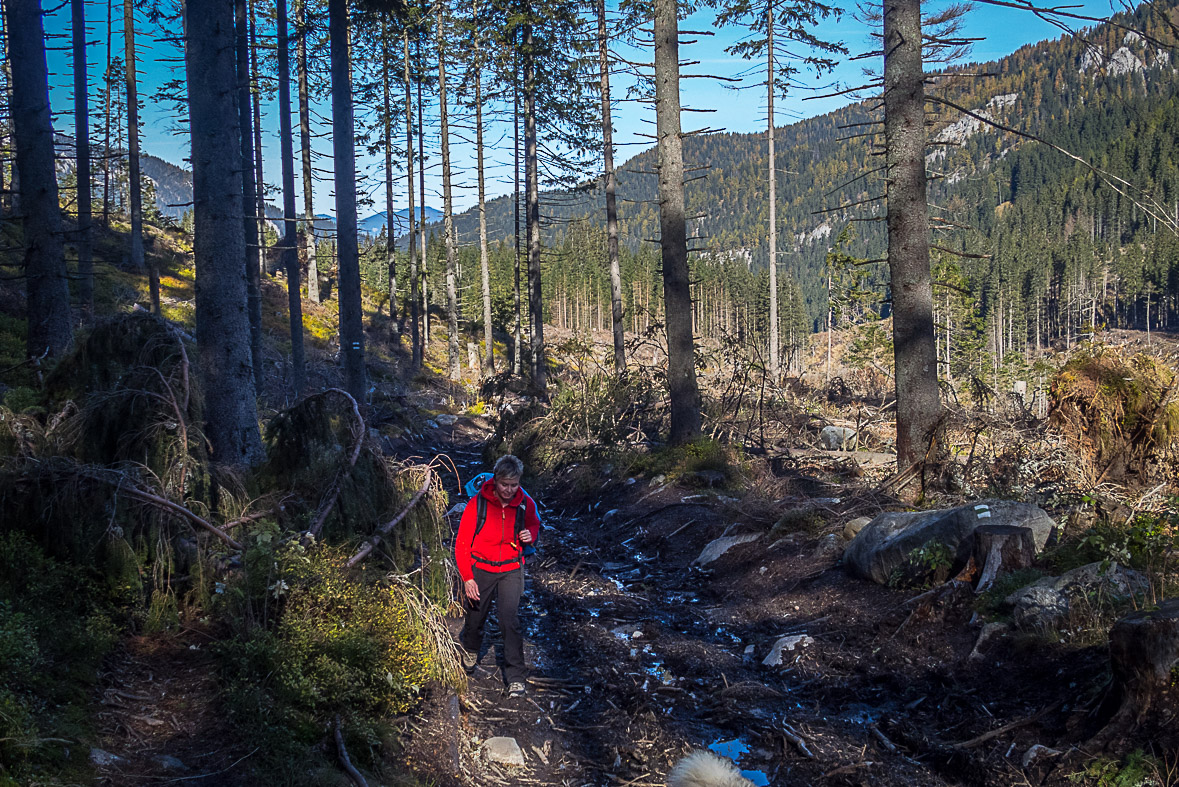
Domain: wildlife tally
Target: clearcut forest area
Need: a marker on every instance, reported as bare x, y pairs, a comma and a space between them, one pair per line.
854, 440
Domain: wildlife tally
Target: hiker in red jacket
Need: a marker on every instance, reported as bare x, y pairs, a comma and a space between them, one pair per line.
496, 525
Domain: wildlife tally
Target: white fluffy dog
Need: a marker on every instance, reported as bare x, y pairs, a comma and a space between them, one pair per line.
705, 769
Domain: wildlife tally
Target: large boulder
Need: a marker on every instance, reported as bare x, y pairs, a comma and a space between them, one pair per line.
886, 542
1047, 603
834, 438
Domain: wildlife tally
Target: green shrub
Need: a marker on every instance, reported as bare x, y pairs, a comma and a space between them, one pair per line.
924, 567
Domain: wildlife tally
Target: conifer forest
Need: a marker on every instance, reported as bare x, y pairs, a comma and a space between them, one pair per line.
838, 343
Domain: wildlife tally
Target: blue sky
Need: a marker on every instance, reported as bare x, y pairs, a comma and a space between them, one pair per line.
1003, 30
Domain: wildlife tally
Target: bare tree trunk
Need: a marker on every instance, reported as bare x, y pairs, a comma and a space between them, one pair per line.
222, 325
611, 199
422, 196
918, 405
259, 182
673, 241
414, 318
305, 145
290, 253
347, 249
517, 301
775, 366
48, 294
452, 353
484, 260
251, 259
134, 184
82, 157
106, 145
391, 244
5, 137
532, 178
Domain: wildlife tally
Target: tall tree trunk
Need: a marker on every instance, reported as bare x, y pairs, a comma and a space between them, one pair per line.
82, 157
347, 249
484, 257
259, 181
611, 199
414, 317
673, 241
452, 346
305, 151
134, 184
422, 196
532, 184
290, 254
517, 300
222, 325
774, 341
252, 258
918, 406
391, 244
106, 145
5, 139
48, 294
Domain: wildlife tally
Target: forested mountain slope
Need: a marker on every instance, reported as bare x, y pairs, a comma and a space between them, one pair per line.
1058, 249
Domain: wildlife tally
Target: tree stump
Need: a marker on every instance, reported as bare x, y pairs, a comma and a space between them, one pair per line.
1001, 549
1144, 654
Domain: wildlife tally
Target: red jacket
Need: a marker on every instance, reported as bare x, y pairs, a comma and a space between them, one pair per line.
497, 542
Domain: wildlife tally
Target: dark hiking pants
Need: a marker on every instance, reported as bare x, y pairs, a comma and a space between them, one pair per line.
505, 589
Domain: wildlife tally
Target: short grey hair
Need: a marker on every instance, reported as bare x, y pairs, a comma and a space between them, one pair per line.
508, 466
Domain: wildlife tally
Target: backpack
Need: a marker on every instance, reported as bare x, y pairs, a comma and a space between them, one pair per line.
472, 489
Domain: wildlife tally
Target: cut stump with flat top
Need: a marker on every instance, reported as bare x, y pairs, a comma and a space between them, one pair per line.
1002, 549
1144, 655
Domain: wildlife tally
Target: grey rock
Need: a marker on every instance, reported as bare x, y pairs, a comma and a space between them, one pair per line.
834, 438
504, 751
791, 643
169, 763
432, 424
1046, 603
1037, 752
446, 419
886, 542
104, 759
829, 548
853, 527
722, 545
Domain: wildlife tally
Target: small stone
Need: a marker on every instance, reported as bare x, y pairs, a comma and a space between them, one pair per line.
799, 641
104, 759
830, 547
432, 424
169, 763
853, 527
446, 419
504, 751
606, 517
722, 545
834, 438
1036, 752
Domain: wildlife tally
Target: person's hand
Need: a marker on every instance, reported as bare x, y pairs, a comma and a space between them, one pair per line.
525, 537
472, 589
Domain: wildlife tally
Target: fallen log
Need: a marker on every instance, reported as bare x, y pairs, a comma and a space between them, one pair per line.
372, 542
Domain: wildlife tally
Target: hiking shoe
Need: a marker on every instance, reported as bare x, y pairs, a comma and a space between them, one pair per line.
470, 660
515, 689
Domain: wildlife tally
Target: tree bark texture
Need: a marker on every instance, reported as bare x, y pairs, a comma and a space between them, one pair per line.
134, 181
422, 196
256, 101
1144, 654
252, 259
390, 240
452, 344
48, 294
82, 157
414, 317
517, 300
290, 254
305, 151
532, 184
775, 342
484, 258
918, 404
222, 324
611, 195
1002, 549
347, 248
673, 241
